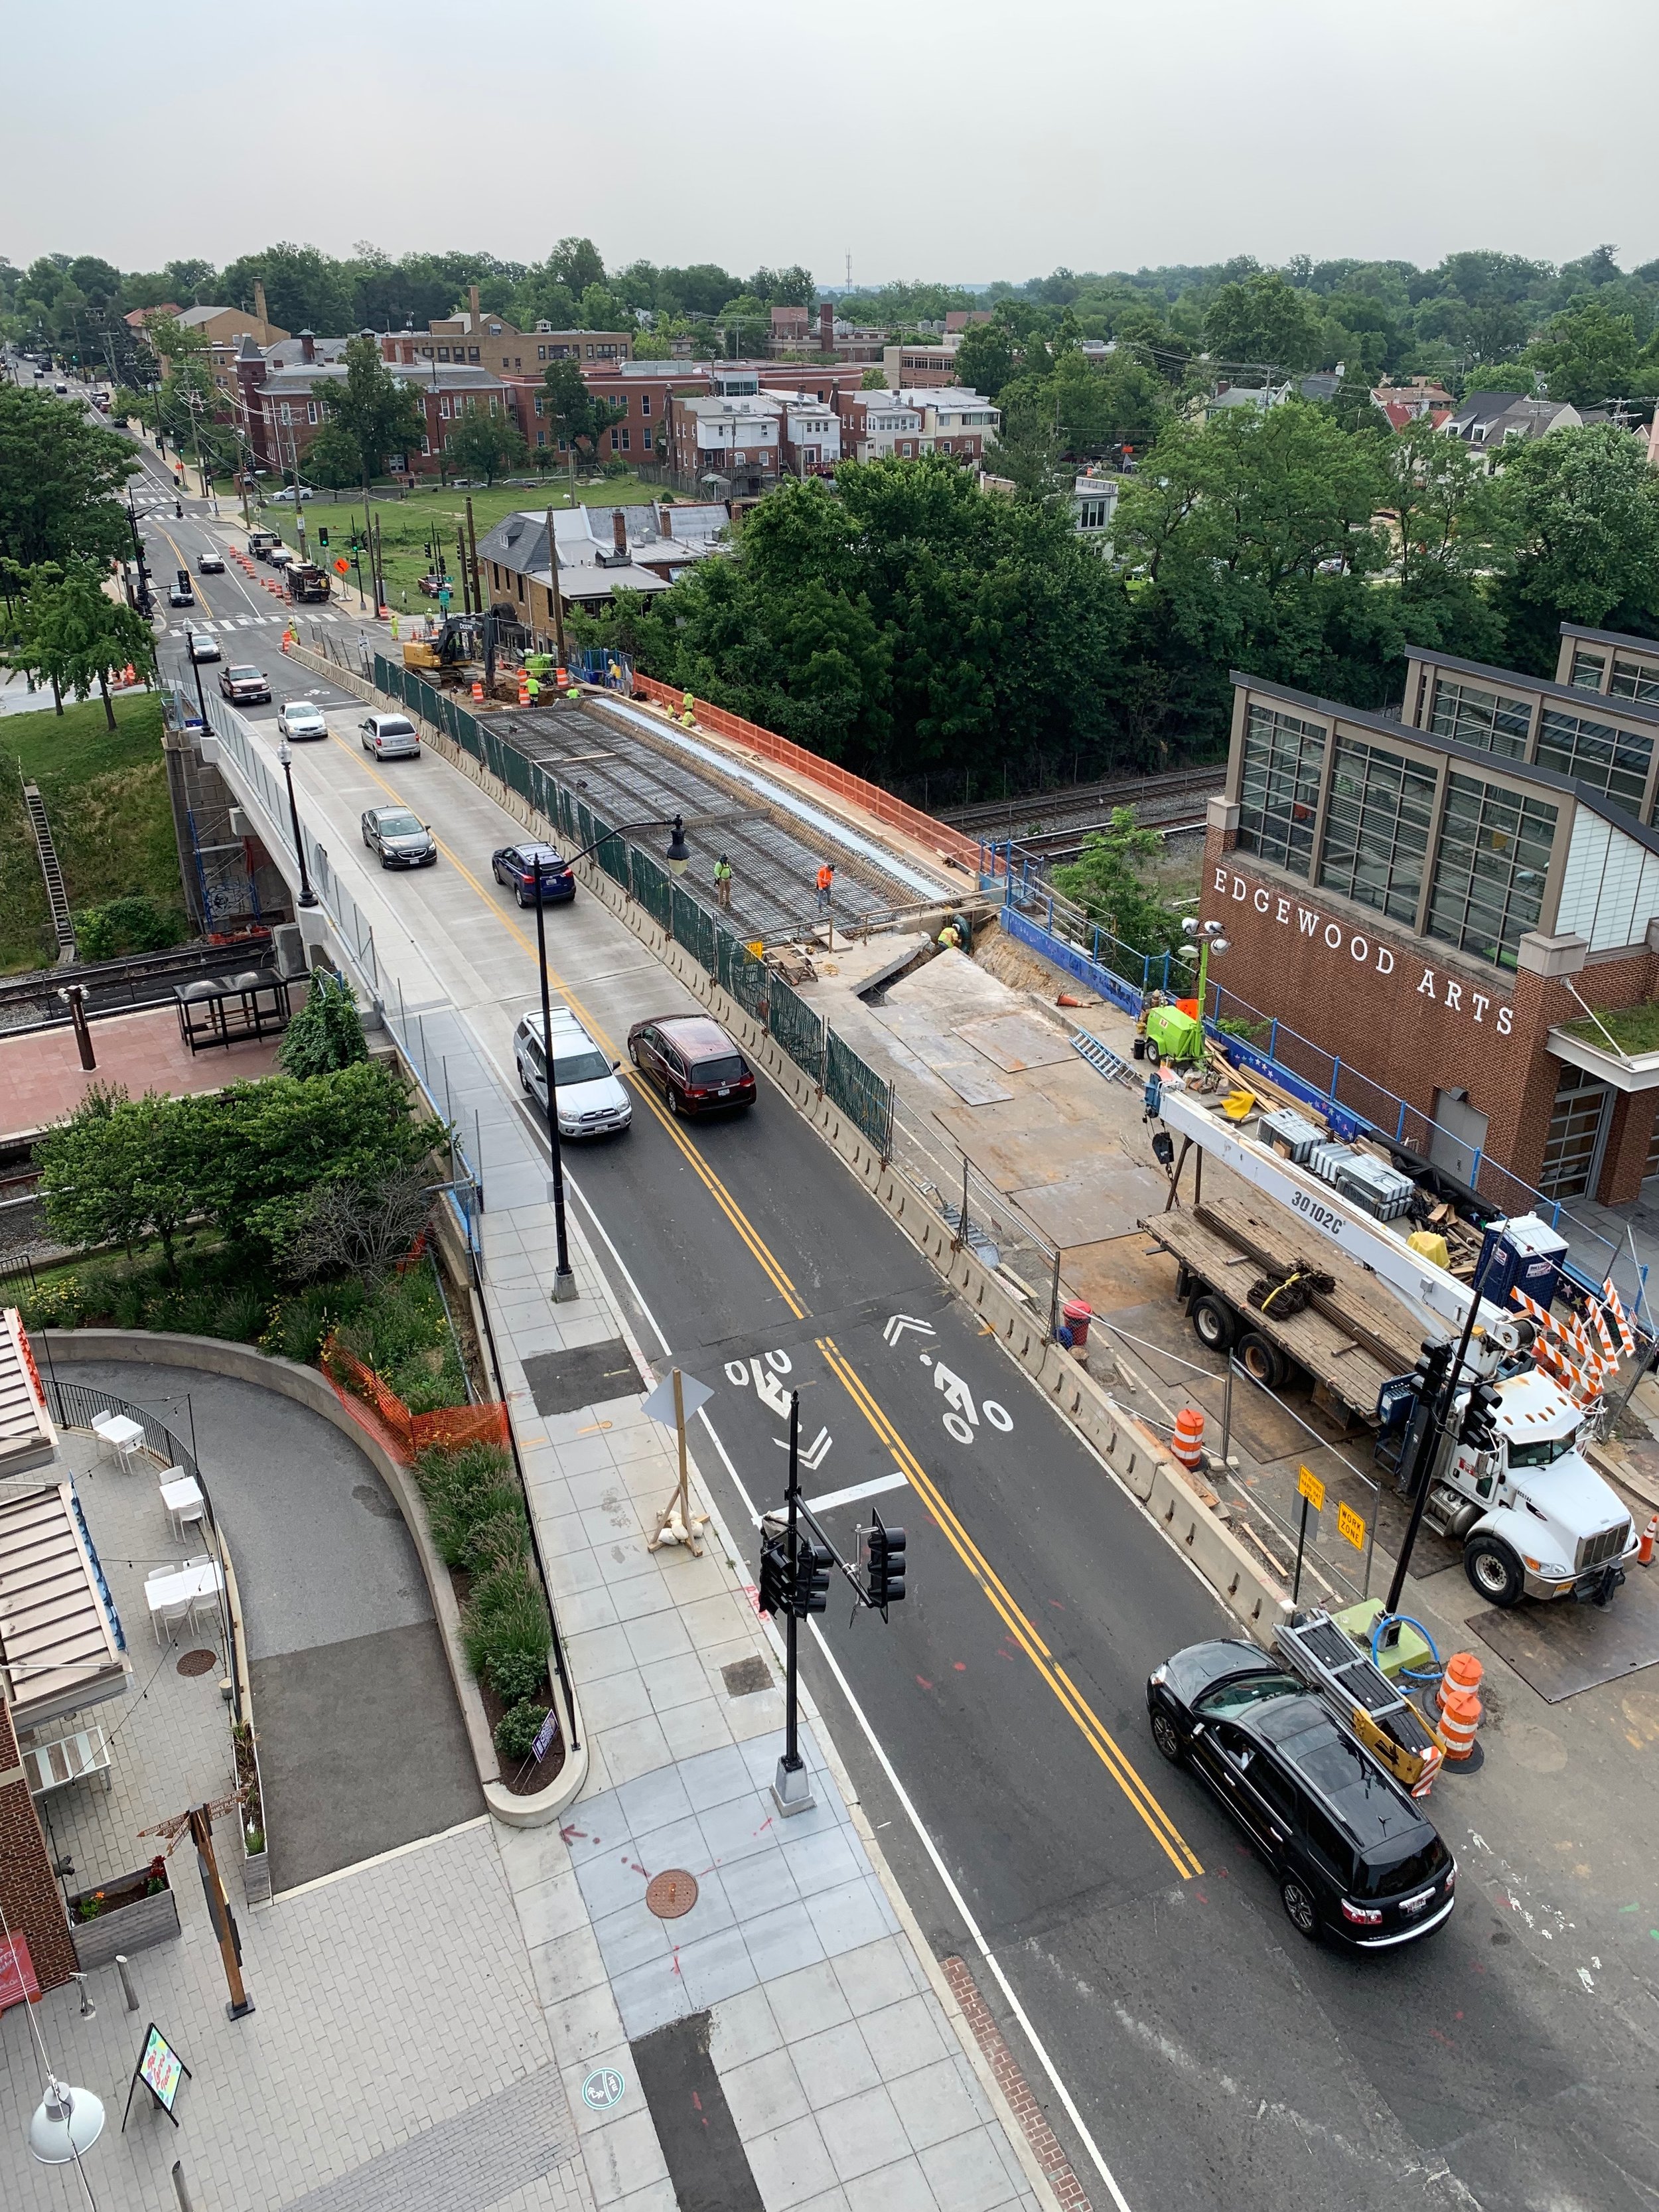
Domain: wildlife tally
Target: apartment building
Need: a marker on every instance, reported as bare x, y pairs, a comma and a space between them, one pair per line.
954, 420
931, 362
878, 426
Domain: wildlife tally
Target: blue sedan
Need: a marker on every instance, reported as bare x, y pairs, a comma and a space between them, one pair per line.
516, 865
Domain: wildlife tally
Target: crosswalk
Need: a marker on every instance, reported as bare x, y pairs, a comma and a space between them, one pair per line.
255, 622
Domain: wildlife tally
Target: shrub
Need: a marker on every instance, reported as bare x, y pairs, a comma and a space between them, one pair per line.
505, 1613
517, 1729
516, 1675
475, 1508
327, 1032
128, 925
298, 1326
240, 1317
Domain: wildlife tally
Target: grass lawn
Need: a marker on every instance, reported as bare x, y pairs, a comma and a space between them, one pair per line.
1634, 1030
406, 519
106, 799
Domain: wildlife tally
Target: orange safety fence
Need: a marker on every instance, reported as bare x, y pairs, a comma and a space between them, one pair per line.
939, 836
405, 1435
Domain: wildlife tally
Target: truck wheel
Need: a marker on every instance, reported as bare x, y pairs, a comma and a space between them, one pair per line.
1261, 1361
1494, 1570
1213, 1322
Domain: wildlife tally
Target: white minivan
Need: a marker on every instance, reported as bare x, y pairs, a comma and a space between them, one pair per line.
592, 1102
390, 736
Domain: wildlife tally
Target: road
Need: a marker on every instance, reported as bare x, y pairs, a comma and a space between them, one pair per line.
1216, 2060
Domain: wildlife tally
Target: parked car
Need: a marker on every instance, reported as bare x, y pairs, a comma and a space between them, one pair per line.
390, 736
401, 839
515, 866
298, 719
592, 1102
210, 564
698, 1065
289, 493
203, 647
245, 687
1354, 1857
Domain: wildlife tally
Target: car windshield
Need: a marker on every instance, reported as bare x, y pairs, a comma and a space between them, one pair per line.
401, 825
1398, 1877
299, 713
1542, 1450
727, 1069
1236, 1697
582, 1066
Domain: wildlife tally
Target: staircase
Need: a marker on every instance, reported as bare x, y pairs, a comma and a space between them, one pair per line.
56, 894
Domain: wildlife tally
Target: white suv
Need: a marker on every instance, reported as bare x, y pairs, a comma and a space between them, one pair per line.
592, 1102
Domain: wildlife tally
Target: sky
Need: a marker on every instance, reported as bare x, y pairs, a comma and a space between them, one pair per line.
944, 139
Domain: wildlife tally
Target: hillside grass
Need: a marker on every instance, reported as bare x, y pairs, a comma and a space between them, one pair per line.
106, 799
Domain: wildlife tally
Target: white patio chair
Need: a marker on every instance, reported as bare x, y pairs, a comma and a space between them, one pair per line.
170, 1616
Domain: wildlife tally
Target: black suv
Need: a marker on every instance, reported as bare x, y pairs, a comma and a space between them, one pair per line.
1354, 1856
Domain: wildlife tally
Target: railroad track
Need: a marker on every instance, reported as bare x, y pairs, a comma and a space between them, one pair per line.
1083, 806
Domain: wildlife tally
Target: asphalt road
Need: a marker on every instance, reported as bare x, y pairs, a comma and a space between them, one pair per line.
1216, 2060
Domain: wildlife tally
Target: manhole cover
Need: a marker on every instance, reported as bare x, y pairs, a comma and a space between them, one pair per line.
744, 1677
670, 1895
198, 1662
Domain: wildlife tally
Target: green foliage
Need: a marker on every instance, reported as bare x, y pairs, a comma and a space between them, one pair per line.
402, 1333
1588, 353
487, 443
382, 415
873, 380
61, 479
298, 1327
984, 358
68, 632
516, 1675
517, 1729
506, 1613
121, 1170
327, 1032
334, 459
128, 925
1263, 321
1577, 512
1106, 883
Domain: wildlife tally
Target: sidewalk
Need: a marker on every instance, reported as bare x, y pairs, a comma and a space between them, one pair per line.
825, 2032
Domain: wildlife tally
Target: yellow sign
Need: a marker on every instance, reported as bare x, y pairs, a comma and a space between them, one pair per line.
757, 945
1311, 1488
1349, 1524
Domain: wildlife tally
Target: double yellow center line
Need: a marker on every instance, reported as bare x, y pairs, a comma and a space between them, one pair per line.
1025, 1634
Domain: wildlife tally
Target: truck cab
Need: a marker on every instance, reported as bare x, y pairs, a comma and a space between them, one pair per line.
1534, 1518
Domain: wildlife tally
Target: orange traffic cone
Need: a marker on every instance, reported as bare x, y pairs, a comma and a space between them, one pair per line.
1188, 1442
1460, 1717
1644, 1549
1464, 1673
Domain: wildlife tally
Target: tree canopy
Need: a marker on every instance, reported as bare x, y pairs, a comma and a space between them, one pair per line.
61, 477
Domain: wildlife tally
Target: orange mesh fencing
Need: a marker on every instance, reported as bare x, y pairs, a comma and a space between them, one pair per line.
949, 844
372, 1401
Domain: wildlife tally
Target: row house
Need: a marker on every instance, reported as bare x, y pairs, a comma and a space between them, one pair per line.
878, 426
954, 420
809, 432
729, 441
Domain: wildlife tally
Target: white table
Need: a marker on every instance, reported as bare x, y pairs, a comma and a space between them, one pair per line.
176, 1586
125, 1434
183, 1498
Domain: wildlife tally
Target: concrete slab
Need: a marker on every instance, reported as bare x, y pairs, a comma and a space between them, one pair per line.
1016, 1042
1105, 1202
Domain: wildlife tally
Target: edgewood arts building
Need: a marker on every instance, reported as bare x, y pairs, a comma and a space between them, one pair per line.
1441, 899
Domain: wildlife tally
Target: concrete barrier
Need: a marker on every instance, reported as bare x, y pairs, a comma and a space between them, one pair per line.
307, 1387
1132, 1451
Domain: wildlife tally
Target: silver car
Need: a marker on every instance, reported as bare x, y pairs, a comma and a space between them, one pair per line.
390, 736
298, 719
592, 1102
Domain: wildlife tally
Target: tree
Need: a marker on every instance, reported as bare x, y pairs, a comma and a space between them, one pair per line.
1106, 883
984, 358
873, 380
575, 263
1577, 514
382, 414
357, 1230
1440, 502
579, 416
327, 1033
71, 634
487, 443
60, 479
334, 459
305, 289
1587, 355
1027, 449
1263, 321
121, 1170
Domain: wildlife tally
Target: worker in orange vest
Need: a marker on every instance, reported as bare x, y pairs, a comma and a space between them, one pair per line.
826, 882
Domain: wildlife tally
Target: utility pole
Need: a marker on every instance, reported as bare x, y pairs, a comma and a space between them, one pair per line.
554, 591
472, 555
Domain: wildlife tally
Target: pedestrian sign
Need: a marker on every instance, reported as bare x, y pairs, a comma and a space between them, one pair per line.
1311, 1488
1349, 1524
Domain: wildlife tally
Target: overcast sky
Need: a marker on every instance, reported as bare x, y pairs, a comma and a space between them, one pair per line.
945, 138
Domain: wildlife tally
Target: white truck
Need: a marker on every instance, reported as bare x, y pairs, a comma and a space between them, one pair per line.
1534, 1518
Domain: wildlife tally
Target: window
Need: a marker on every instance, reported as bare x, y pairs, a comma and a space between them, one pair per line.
1244, 1691
590, 353
538, 406
311, 410
426, 446
443, 408
624, 440
1633, 680
1284, 759
1329, 1846
1490, 870
443, 353
1588, 669
1570, 1149
471, 353
1487, 719
614, 441
1376, 828
541, 437
541, 352
517, 363
648, 438
285, 412
945, 445
645, 402
503, 361
1093, 513
1609, 760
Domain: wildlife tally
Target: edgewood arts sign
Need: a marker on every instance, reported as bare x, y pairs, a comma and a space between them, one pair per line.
1455, 993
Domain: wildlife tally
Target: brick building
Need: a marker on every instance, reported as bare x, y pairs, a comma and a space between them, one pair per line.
284, 400
953, 421
878, 425
1452, 902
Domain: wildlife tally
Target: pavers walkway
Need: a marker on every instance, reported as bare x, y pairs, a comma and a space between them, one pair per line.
41, 1078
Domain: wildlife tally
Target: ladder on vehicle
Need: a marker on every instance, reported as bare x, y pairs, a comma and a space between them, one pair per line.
1329, 1659
1102, 1058
57, 897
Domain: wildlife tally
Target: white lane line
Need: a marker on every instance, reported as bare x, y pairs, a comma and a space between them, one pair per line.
851, 1497
1068, 2102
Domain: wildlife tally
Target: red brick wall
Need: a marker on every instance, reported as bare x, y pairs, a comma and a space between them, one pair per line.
33, 1906
1403, 1010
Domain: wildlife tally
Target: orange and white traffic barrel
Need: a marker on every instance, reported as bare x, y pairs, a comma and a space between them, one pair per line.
1463, 1672
1188, 1442
1458, 1720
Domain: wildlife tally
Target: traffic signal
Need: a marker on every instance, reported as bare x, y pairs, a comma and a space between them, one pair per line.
810, 1589
885, 1556
322, 536
1429, 1375
774, 1579
1479, 1428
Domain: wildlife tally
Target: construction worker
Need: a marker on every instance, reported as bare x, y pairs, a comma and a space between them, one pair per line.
950, 938
826, 884
533, 684
723, 882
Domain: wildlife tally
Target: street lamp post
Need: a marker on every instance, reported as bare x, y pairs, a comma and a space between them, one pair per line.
284, 754
1210, 940
196, 671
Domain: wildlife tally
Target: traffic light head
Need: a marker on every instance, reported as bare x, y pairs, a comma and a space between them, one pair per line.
773, 1579
1479, 1429
322, 535
810, 1589
886, 1553
1429, 1375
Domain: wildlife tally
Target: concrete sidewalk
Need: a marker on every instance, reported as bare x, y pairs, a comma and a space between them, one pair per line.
831, 2040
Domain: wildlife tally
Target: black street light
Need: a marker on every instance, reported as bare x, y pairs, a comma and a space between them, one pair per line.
307, 896
677, 854
196, 671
